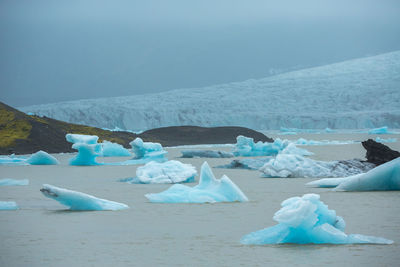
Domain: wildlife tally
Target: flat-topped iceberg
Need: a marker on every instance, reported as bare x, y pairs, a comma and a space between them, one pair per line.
8, 181
80, 201
209, 190
42, 158
304, 220
88, 149
110, 149
205, 154
383, 177
8, 205
170, 172
296, 166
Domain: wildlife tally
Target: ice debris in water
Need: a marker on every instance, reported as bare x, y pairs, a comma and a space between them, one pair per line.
145, 152
246, 147
88, 149
80, 201
209, 190
383, 140
8, 205
8, 181
205, 154
383, 177
13, 160
42, 158
304, 220
169, 172
296, 166
110, 149
246, 163
381, 130
302, 141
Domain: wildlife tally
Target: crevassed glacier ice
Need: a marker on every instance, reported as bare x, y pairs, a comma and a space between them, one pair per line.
169, 172
8, 181
145, 152
88, 149
296, 166
383, 177
205, 154
42, 158
247, 163
8, 205
110, 149
304, 220
80, 201
209, 190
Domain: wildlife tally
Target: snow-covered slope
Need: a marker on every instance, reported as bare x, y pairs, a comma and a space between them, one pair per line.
360, 93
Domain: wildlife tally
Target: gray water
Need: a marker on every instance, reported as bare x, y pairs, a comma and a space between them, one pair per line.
44, 233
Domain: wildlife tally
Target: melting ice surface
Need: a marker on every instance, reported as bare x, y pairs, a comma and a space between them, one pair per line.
209, 190
295, 166
304, 220
42, 158
110, 149
145, 152
8, 205
205, 154
80, 201
8, 181
88, 149
169, 172
383, 177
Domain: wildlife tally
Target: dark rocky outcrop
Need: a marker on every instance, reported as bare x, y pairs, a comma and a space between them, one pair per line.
378, 153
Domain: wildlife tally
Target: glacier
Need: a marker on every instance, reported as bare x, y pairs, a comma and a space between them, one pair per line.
209, 190
8, 181
297, 166
42, 158
343, 95
110, 149
205, 154
384, 177
304, 220
170, 172
79, 201
88, 149
8, 205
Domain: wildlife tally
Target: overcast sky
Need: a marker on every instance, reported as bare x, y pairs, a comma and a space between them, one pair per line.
53, 50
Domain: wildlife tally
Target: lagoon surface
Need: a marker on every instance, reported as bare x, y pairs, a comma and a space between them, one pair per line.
43, 233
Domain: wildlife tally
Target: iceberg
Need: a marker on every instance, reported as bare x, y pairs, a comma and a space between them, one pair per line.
304, 220
205, 154
42, 158
88, 149
8, 205
209, 190
381, 130
383, 140
296, 166
110, 149
302, 141
169, 172
8, 181
248, 164
382, 178
80, 201
13, 160
145, 152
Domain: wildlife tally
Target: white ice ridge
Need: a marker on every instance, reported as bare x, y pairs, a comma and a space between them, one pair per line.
170, 172
38, 158
344, 95
8, 205
296, 166
383, 177
209, 190
80, 201
88, 149
307, 219
8, 181
110, 149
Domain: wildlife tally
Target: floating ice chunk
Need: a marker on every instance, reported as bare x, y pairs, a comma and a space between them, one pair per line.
145, 152
302, 141
294, 150
247, 163
88, 149
80, 201
13, 160
291, 166
8, 181
8, 205
42, 158
381, 130
82, 138
327, 182
110, 149
169, 172
388, 140
205, 154
209, 190
304, 220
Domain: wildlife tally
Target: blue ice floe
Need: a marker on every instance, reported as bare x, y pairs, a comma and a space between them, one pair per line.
80, 201
381, 178
145, 152
381, 130
302, 141
205, 154
8, 205
88, 149
13, 160
169, 172
296, 166
8, 181
387, 140
42, 158
304, 220
209, 190
110, 149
